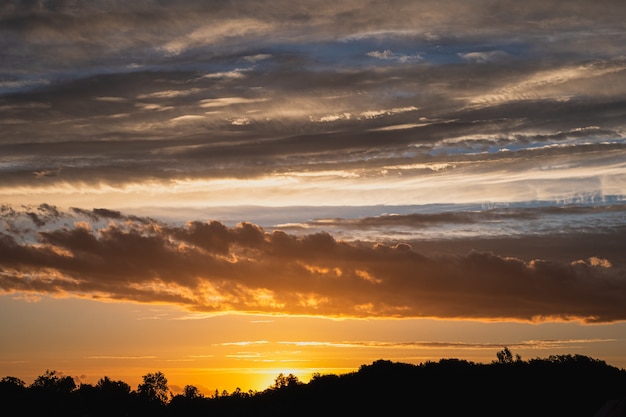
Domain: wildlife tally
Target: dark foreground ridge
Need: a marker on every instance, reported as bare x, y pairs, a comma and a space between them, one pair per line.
564, 385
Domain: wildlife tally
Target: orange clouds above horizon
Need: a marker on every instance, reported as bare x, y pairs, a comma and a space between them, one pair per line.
209, 267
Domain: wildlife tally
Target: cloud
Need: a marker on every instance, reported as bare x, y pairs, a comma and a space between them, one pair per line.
257, 57
371, 114
216, 32
334, 117
97, 36
485, 56
170, 93
209, 267
394, 56
187, 118
228, 101
234, 74
487, 215
319, 96
372, 344
121, 357
543, 84
307, 104
242, 121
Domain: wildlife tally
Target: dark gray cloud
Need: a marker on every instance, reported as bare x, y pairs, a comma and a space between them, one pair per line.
112, 93
605, 216
208, 267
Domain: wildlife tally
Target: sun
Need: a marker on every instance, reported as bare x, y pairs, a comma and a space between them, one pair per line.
270, 377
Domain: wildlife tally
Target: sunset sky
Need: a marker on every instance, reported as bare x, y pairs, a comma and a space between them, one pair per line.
226, 190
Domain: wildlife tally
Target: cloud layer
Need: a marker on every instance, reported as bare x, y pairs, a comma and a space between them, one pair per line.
209, 267
100, 99
193, 104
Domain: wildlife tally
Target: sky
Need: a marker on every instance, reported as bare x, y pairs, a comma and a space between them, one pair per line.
228, 190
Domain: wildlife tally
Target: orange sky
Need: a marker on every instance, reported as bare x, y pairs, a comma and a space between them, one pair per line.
89, 339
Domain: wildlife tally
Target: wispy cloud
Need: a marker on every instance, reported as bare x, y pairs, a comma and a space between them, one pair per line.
370, 344
395, 56
248, 343
189, 94
122, 357
548, 84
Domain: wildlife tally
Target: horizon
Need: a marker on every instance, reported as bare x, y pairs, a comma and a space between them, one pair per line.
225, 191
310, 374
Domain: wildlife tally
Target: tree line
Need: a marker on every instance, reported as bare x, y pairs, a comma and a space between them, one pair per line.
572, 385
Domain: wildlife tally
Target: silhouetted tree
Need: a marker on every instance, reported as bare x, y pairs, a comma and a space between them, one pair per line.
283, 381
51, 393
54, 382
190, 402
11, 381
154, 388
505, 356
191, 392
10, 385
112, 388
12, 392
110, 397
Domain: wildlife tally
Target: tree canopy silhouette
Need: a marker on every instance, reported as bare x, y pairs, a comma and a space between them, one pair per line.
154, 388
53, 382
572, 385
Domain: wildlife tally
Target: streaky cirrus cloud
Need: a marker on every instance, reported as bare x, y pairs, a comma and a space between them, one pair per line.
211, 268
100, 101
534, 344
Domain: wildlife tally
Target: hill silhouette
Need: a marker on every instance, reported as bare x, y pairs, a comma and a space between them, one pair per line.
564, 385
